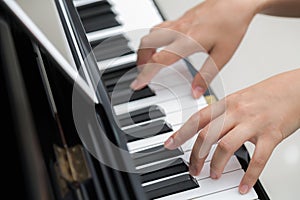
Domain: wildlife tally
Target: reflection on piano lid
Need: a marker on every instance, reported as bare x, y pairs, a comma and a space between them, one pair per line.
43, 41
137, 121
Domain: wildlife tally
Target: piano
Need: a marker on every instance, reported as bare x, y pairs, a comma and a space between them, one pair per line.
72, 144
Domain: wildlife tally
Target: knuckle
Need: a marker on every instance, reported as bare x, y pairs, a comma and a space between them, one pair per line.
225, 146
159, 58
192, 33
154, 28
179, 26
250, 178
195, 118
237, 105
276, 134
145, 42
215, 167
194, 159
202, 135
259, 162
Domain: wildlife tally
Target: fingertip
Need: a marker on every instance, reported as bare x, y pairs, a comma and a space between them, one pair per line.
165, 57
213, 174
197, 92
169, 143
244, 189
193, 170
136, 85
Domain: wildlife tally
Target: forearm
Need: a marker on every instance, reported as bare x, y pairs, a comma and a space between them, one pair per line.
285, 8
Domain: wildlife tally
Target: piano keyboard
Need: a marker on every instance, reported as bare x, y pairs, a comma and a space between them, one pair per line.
149, 116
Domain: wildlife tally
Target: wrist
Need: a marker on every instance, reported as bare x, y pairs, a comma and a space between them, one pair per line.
258, 5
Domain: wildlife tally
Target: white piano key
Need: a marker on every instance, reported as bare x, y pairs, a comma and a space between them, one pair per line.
105, 33
78, 3
186, 157
161, 96
113, 62
150, 142
188, 152
169, 106
137, 14
209, 187
176, 118
229, 194
232, 165
179, 117
178, 68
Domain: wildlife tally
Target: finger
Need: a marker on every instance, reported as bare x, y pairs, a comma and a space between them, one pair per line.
164, 24
144, 55
196, 164
196, 122
158, 38
211, 133
158, 61
200, 151
149, 43
182, 47
148, 71
227, 145
211, 67
262, 153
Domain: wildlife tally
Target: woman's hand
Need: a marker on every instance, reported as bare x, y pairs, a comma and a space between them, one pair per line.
215, 27
263, 114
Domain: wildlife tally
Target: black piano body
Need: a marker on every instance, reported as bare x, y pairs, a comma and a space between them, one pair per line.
33, 130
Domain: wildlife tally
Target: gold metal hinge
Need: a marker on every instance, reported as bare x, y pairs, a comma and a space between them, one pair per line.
210, 99
72, 164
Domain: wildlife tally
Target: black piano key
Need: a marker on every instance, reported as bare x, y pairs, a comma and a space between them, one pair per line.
99, 22
143, 93
118, 71
139, 111
154, 154
111, 47
171, 186
96, 8
148, 130
113, 52
127, 95
120, 86
110, 41
164, 169
140, 115
125, 79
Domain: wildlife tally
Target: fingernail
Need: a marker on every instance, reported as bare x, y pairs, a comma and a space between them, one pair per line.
197, 91
213, 175
244, 189
169, 143
134, 84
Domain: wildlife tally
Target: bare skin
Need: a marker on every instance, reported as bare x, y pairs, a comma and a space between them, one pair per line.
217, 28
235, 120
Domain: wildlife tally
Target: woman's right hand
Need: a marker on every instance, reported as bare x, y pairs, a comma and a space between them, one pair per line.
214, 26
